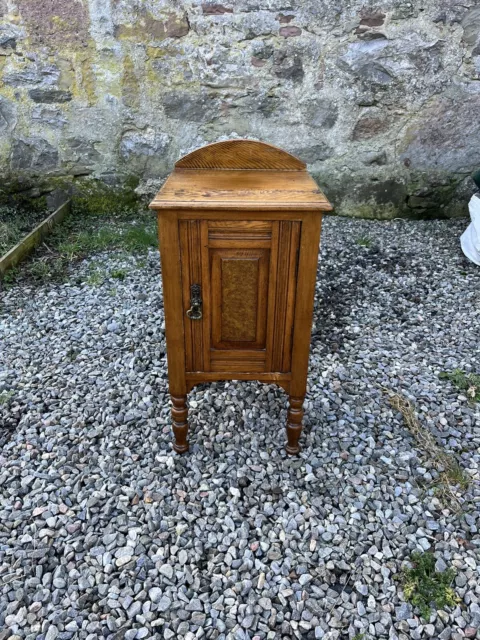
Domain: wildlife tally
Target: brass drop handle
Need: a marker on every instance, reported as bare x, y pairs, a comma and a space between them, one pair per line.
195, 311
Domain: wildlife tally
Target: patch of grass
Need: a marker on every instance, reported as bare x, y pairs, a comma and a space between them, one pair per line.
456, 474
467, 382
424, 587
80, 236
358, 636
86, 242
9, 277
5, 396
9, 236
15, 224
95, 278
47, 268
132, 239
364, 241
118, 274
97, 274
451, 474
103, 218
141, 238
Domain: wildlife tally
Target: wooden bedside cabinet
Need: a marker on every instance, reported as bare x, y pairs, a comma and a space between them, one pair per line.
239, 231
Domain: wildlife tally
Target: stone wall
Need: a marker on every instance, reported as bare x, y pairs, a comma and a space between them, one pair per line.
382, 100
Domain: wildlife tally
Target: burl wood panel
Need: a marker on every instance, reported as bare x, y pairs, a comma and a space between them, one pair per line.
239, 298
239, 289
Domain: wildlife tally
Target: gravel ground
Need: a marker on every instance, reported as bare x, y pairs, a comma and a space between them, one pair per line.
104, 532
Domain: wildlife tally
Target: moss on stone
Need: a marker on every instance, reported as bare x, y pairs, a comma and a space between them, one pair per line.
370, 210
89, 196
130, 84
96, 197
383, 195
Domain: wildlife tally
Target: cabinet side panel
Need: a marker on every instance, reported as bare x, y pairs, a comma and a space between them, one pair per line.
285, 294
306, 279
272, 292
172, 299
291, 291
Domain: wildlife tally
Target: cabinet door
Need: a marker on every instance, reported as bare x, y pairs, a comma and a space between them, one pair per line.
246, 272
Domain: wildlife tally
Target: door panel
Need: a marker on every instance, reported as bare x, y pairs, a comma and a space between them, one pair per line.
247, 273
239, 287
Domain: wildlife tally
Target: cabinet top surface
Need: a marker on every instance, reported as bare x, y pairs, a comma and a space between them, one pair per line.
240, 174
218, 189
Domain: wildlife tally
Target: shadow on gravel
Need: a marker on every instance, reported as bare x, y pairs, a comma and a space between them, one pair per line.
9, 422
345, 286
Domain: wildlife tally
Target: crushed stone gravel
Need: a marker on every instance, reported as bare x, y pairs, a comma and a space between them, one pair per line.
105, 532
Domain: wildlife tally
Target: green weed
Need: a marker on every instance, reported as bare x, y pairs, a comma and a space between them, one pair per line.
88, 242
118, 274
467, 382
5, 396
47, 269
364, 241
95, 278
85, 242
78, 238
424, 587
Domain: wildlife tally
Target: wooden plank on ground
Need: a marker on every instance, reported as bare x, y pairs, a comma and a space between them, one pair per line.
33, 239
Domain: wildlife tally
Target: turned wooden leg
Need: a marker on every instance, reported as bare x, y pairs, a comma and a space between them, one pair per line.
294, 425
179, 423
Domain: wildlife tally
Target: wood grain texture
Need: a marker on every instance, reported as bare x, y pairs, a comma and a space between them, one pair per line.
179, 423
190, 247
216, 189
241, 154
236, 360
243, 214
239, 229
281, 379
251, 239
206, 295
306, 278
239, 288
294, 424
173, 302
239, 283
288, 245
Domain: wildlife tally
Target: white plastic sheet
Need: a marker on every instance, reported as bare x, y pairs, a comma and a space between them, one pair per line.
470, 238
